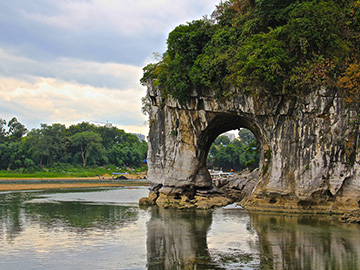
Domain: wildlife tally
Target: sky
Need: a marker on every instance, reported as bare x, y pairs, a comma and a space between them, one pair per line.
71, 61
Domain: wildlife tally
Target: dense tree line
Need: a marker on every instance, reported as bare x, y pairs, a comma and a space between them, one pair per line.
83, 143
273, 46
238, 155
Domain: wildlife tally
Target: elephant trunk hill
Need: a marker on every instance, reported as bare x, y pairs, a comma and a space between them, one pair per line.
309, 149
289, 72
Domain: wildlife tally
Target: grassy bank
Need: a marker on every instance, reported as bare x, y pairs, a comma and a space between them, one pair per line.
49, 178
66, 171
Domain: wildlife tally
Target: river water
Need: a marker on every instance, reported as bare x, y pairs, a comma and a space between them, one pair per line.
106, 229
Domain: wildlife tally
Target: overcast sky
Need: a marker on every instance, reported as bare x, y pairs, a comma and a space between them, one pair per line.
70, 61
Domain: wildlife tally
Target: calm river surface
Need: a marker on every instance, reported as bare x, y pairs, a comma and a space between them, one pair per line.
106, 229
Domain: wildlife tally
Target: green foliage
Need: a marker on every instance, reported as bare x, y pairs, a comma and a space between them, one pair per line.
260, 63
87, 142
16, 130
185, 43
81, 145
56, 170
3, 132
270, 46
45, 144
272, 13
246, 136
237, 155
222, 139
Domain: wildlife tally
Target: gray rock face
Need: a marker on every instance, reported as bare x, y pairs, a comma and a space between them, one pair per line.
237, 187
309, 158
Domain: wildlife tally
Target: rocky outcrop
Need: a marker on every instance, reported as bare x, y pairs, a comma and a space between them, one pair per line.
309, 156
237, 187
352, 217
176, 198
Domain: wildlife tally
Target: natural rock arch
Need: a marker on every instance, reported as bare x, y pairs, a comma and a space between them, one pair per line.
309, 147
223, 122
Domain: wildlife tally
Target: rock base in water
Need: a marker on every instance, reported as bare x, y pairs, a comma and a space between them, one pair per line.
239, 188
149, 201
291, 204
352, 217
186, 199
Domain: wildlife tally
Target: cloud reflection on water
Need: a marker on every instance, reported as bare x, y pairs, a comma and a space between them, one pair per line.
93, 230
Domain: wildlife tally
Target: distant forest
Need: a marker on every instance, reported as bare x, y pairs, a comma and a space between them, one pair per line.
89, 145
83, 144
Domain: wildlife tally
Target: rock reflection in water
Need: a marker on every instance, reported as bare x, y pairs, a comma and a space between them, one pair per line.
43, 233
306, 242
177, 239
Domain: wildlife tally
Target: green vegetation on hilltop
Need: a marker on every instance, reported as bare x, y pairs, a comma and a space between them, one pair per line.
56, 150
273, 46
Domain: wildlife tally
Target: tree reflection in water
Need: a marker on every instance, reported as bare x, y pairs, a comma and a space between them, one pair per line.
79, 216
40, 234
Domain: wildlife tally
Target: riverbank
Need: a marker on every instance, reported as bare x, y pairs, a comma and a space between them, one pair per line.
73, 178
12, 184
16, 187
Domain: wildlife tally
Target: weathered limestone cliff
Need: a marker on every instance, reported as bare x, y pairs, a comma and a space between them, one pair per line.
309, 160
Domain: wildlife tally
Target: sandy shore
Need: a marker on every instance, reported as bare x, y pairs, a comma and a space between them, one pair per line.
61, 183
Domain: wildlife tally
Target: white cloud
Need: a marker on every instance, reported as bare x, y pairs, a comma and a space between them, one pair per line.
79, 60
108, 75
127, 17
73, 91
54, 101
95, 30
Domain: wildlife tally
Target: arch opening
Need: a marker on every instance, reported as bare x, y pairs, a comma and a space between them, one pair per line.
234, 151
223, 122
